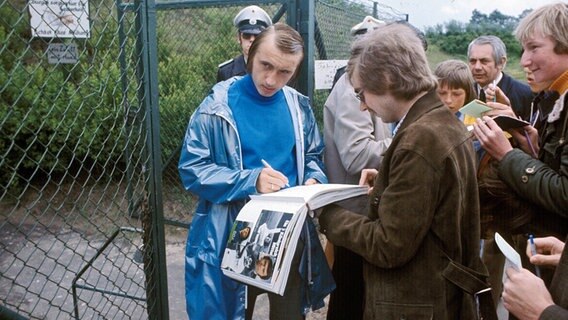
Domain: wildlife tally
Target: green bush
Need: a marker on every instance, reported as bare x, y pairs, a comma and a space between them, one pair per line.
57, 117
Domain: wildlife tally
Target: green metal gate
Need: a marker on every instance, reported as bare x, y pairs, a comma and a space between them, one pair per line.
95, 97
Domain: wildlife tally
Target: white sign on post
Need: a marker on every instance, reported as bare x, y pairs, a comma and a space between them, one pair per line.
62, 53
325, 71
60, 18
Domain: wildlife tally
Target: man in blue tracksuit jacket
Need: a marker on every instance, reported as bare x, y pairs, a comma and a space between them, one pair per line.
242, 121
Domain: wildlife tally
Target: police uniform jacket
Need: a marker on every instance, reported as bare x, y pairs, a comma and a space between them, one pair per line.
234, 67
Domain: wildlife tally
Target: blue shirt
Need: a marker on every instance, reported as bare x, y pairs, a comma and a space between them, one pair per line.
265, 128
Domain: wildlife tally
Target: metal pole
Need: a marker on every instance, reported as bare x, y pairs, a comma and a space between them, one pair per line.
304, 20
155, 249
375, 10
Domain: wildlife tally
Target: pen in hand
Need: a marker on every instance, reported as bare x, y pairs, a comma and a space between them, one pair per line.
267, 165
533, 151
533, 251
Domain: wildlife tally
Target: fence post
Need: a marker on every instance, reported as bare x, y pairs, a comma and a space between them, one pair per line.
375, 10
153, 216
304, 20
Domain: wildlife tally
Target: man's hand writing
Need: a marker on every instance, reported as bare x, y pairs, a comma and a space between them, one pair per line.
270, 180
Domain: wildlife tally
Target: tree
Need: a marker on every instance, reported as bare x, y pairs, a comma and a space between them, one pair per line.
453, 37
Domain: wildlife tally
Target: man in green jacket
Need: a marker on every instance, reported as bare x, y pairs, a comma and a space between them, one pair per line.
422, 227
537, 168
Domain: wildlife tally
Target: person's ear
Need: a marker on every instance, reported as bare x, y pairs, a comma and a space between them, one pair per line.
503, 62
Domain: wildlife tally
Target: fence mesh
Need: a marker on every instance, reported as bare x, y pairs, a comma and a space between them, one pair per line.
80, 210
72, 147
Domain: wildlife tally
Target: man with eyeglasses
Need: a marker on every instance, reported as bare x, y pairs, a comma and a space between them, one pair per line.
419, 236
249, 22
354, 140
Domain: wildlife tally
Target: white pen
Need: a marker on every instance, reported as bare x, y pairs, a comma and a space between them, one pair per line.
267, 165
494, 90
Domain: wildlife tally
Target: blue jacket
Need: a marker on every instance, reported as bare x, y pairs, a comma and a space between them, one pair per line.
211, 167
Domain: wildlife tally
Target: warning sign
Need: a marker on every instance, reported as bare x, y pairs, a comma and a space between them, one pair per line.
60, 18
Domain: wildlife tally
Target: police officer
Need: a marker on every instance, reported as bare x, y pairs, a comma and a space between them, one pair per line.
250, 21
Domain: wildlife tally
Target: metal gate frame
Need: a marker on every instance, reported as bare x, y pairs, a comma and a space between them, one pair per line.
300, 15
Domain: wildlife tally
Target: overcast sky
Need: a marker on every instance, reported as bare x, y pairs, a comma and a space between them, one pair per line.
424, 13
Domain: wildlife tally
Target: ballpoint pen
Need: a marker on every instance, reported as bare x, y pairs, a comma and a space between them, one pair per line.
533, 151
533, 251
267, 165
494, 90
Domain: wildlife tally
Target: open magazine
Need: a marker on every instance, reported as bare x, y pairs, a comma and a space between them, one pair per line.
476, 108
263, 238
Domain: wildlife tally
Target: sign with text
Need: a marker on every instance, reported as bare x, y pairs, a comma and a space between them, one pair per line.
325, 71
62, 53
60, 18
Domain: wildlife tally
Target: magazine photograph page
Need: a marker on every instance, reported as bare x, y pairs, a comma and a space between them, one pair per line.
257, 244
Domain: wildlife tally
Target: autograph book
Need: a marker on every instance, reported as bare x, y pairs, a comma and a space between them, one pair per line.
476, 108
263, 239
506, 122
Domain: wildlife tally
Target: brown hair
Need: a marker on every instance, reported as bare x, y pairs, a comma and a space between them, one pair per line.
286, 39
392, 59
455, 74
268, 268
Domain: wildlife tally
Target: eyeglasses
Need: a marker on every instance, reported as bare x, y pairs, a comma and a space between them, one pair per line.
248, 36
360, 95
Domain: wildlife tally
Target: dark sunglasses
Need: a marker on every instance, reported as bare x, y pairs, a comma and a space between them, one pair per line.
248, 36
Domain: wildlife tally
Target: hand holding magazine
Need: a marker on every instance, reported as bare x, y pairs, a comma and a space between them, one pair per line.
263, 238
476, 108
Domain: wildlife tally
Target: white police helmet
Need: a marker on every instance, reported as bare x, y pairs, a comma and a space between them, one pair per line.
252, 19
369, 23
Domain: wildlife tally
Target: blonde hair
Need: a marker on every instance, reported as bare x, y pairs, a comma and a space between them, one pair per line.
455, 74
549, 21
392, 59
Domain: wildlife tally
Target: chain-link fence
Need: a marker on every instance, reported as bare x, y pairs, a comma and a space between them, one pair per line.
94, 100
69, 136
333, 23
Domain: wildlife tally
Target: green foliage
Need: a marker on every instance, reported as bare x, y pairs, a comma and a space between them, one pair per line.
180, 94
56, 116
188, 68
454, 37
